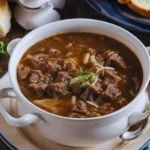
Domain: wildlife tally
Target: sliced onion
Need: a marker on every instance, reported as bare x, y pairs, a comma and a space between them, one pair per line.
86, 58
73, 100
92, 104
92, 59
69, 54
110, 68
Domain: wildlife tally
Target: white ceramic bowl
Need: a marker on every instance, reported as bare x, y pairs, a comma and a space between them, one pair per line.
72, 131
31, 19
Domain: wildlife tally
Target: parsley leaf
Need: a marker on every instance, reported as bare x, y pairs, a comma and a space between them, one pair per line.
84, 79
3, 49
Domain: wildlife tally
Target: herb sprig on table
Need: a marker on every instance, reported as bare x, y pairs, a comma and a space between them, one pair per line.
3, 49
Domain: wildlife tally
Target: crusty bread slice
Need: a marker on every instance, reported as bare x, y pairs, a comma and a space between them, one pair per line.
5, 17
124, 1
141, 7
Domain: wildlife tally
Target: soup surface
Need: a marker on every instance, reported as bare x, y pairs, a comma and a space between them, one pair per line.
79, 75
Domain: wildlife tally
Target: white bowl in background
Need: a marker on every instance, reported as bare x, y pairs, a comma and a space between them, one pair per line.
30, 19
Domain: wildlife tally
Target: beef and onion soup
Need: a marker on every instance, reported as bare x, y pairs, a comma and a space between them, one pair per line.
79, 75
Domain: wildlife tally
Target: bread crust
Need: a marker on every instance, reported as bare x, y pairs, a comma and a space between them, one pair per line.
4, 7
1, 13
124, 1
136, 8
5, 17
139, 10
3, 4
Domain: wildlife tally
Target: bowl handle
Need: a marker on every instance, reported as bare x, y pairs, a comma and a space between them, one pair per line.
12, 45
48, 3
17, 122
136, 118
133, 120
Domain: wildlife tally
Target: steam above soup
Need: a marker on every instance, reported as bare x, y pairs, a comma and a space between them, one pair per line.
79, 75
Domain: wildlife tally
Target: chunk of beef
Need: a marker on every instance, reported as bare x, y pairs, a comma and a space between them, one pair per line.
39, 88
70, 64
107, 54
99, 100
91, 51
77, 115
106, 108
91, 92
124, 78
27, 92
97, 88
110, 78
48, 75
37, 76
136, 86
53, 67
116, 60
111, 93
47, 78
23, 71
57, 89
106, 81
80, 107
76, 89
37, 60
88, 94
106, 72
100, 59
63, 77
39, 57
112, 58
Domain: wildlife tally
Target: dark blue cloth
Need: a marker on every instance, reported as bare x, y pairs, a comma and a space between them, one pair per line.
106, 8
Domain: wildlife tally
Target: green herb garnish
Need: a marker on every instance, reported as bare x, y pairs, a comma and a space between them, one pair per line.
3, 49
84, 79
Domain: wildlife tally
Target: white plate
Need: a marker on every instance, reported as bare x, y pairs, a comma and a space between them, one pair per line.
26, 139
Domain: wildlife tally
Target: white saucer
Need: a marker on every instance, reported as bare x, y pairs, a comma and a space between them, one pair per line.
26, 139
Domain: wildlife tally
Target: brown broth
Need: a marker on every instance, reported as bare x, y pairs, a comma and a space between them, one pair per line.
98, 42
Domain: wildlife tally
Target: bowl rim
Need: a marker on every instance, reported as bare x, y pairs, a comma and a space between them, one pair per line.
111, 115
